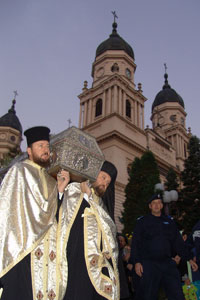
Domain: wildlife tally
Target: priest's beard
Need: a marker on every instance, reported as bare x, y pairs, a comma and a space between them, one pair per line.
99, 190
44, 163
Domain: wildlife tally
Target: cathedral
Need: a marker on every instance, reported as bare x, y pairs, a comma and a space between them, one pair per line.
112, 110
10, 133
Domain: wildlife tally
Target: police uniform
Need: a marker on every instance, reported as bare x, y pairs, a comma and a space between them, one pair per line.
156, 240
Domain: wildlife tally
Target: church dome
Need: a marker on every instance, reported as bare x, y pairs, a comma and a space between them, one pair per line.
10, 119
167, 94
115, 42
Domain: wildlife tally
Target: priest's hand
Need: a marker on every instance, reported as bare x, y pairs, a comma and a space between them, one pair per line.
85, 188
63, 179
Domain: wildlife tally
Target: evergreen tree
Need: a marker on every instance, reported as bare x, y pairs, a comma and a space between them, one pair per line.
143, 176
132, 193
151, 175
171, 183
190, 194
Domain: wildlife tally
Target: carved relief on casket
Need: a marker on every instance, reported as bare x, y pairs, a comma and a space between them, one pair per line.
77, 152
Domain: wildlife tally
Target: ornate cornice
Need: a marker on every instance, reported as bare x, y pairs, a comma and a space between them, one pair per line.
109, 82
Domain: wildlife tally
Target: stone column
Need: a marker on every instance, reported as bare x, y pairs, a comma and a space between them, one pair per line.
132, 110
89, 111
135, 112
120, 101
177, 146
104, 104
115, 99
124, 104
109, 101
181, 146
138, 114
142, 108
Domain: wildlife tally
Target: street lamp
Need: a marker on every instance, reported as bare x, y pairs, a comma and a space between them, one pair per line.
168, 196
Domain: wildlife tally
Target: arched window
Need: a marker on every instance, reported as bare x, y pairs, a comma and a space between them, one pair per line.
115, 67
98, 110
128, 108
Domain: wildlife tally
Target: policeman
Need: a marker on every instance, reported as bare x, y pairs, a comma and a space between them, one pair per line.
156, 241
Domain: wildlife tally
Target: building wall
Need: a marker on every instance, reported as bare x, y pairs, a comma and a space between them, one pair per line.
10, 139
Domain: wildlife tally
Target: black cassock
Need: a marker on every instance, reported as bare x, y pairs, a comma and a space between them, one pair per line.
17, 282
79, 285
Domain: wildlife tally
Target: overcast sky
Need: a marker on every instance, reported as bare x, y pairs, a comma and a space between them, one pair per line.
47, 48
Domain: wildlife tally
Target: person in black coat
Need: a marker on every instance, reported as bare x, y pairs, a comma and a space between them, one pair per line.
156, 241
193, 242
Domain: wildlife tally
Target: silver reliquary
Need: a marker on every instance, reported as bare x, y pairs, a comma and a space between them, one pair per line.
77, 152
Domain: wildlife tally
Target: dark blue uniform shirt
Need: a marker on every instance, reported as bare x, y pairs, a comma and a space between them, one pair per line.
157, 238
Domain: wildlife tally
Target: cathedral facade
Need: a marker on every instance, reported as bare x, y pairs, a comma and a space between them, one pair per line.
112, 110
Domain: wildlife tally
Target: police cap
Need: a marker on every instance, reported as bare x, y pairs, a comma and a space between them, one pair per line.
154, 197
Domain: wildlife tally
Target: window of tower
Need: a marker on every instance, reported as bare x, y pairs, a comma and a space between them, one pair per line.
173, 118
128, 108
115, 67
98, 110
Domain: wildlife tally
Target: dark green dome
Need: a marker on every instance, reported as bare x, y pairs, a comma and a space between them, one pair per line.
115, 42
10, 119
167, 94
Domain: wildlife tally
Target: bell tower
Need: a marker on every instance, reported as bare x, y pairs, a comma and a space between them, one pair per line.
10, 132
113, 88
112, 109
169, 118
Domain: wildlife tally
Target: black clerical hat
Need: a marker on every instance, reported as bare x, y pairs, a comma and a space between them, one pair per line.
110, 169
154, 197
38, 133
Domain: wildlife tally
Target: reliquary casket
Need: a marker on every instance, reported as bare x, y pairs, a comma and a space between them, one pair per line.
77, 152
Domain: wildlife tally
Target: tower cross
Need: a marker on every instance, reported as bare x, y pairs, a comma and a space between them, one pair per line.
15, 94
165, 65
115, 15
69, 123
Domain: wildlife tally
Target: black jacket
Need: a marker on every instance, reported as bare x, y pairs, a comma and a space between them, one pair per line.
157, 238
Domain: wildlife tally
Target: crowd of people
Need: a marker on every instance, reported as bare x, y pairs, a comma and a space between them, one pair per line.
162, 262
58, 239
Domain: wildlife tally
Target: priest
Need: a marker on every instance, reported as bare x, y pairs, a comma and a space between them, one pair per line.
91, 245
28, 204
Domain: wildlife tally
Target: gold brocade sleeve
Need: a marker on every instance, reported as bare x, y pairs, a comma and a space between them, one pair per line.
28, 202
